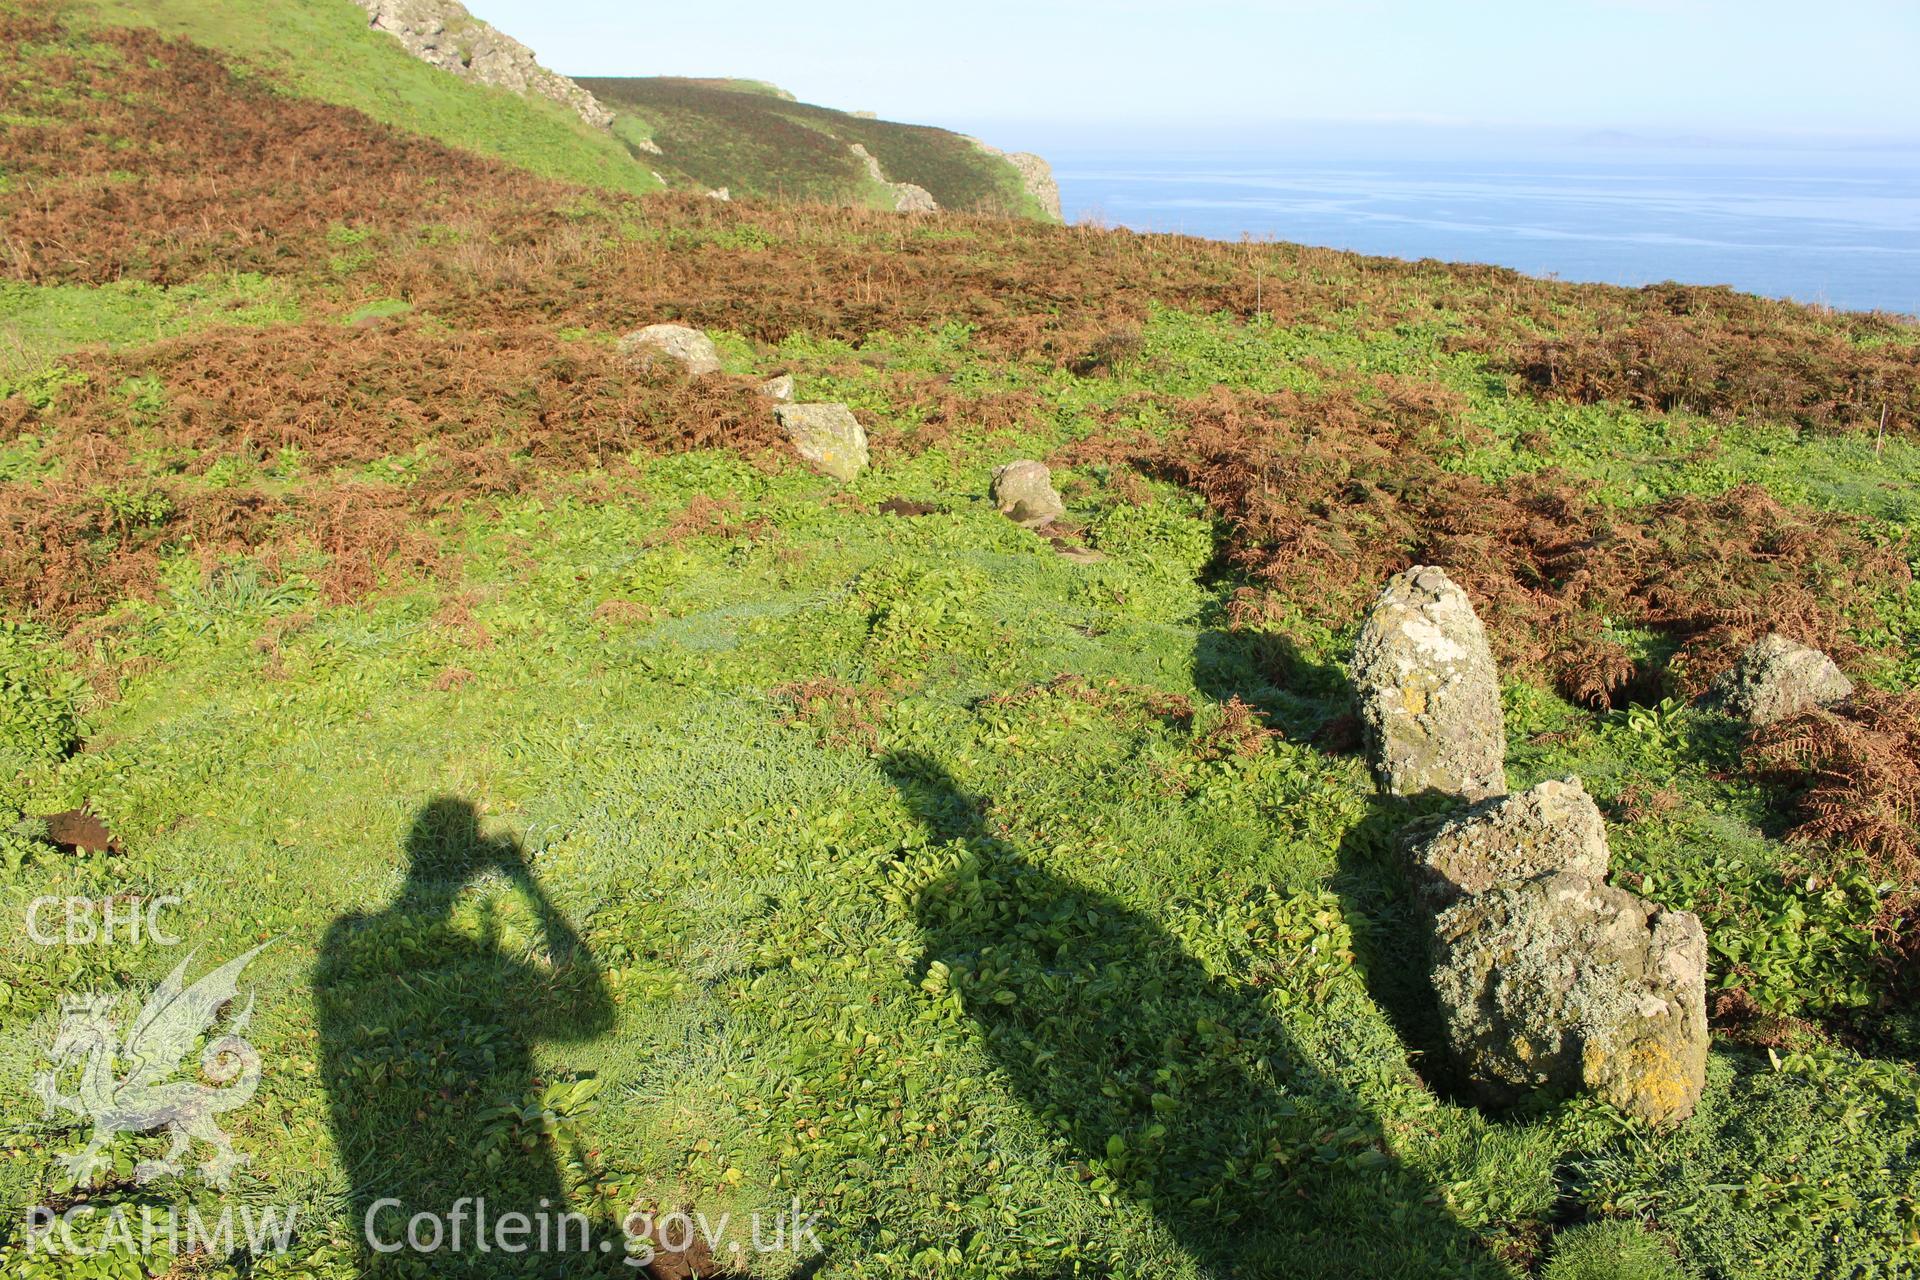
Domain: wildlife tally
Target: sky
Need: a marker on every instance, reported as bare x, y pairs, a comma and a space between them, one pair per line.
1692, 68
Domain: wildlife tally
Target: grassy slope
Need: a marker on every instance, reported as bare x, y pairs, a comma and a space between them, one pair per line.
833, 834
757, 142
324, 49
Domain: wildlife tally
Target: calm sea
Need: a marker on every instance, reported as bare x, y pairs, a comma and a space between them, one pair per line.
1835, 227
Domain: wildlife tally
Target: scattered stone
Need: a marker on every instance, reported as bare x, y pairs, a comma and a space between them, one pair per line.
443, 34
1562, 982
720, 193
1777, 679
827, 435
1555, 826
1429, 692
692, 349
1024, 492
907, 198
77, 831
780, 388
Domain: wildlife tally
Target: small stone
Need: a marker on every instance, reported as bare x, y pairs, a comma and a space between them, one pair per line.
1564, 983
691, 349
1024, 493
1429, 692
1554, 826
780, 388
1776, 679
827, 435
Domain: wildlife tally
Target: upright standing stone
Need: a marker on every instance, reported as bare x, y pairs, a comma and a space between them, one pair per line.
1562, 982
1024, 492
1429, 692
827, 435
1554, 826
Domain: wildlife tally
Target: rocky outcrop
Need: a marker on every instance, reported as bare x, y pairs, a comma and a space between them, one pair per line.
1429, 692
827, 435
1036, 175
444, 34
1562, 982
1555, 826
689, 348
907, 198
1777, 679
1024, 492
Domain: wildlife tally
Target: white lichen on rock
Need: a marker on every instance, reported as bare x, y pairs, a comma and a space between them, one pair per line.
689, 348
1554, 826
1429, 692
1562, 982
1023, 491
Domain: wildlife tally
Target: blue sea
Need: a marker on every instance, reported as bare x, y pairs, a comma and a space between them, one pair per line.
1840, 227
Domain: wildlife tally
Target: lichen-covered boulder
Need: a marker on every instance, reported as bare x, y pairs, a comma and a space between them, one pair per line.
780, 388
1024, 492
1429, 692
827, 435
1564, 983
1554, 826
691, 349
1776, 679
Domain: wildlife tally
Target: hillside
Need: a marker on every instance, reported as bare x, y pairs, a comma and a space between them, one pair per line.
755, 140
633, 817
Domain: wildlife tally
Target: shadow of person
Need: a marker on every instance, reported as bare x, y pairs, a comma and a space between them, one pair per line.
1175, 1087
427, 1011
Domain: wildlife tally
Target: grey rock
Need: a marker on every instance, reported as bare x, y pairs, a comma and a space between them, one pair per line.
780, 388
1036, 175
1429, 692
443, 34
1777, 679
1554, 826
907, 198
1024, 492
827, 435
691, 349
721, 194
1564, 983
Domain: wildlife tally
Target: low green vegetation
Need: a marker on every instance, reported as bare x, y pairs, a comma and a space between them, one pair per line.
39, 322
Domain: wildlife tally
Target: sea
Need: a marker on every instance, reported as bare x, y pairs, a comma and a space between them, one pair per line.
1833, 225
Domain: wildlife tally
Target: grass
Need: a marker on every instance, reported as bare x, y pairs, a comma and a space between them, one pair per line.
634, 819
324, 49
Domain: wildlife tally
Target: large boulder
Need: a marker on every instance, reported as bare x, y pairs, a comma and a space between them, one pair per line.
1429, 692
1563, 983
1554, 826
691, 349
1777, 679
827, 435
1024, 492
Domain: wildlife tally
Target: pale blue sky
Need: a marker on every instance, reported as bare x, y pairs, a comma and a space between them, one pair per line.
1681, 66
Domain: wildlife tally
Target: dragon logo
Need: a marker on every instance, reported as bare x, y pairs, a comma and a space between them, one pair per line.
124, 1087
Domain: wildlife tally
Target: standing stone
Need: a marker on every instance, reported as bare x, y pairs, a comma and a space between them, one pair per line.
1024, 493
1554, 826
1563, 983
780, 388
827, 435
691, 349
1777, 679
1429, 692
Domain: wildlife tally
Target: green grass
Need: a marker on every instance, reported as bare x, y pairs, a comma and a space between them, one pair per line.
325, 49
803, 964
39, 322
